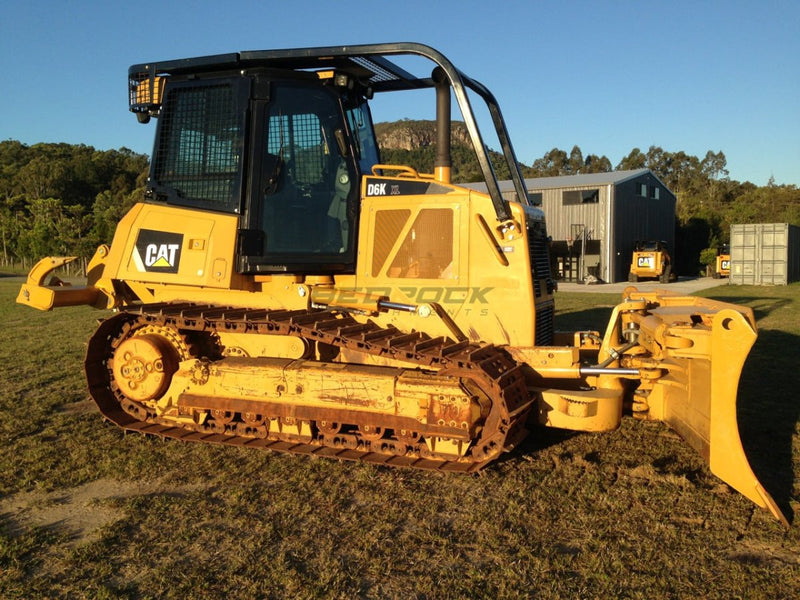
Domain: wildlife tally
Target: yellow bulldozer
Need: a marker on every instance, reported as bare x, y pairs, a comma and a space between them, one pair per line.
282, 288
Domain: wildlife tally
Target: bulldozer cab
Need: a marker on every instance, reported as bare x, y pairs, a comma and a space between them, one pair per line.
283, 150
283, 139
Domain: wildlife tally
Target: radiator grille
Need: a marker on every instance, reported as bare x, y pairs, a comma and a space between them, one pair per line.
542, 280
540, 257
545, 315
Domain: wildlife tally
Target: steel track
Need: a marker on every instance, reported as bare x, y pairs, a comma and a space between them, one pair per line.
488, 366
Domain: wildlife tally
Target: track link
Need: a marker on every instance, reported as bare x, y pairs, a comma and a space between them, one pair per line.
488, 366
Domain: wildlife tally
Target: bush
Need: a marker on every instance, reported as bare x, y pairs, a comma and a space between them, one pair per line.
708, 257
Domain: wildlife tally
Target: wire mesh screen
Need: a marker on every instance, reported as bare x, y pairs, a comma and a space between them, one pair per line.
427, 250
378, 72
388, 225
144, 92
298, 140
198, 154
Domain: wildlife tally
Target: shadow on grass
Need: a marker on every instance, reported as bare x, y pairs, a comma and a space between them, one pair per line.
540, 439
762, 307
768, 411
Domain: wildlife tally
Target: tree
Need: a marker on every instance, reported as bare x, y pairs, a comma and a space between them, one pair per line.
41, 177
635, 160
557, 162
551, 164
713, 166
575, 164
597, 164
10, 210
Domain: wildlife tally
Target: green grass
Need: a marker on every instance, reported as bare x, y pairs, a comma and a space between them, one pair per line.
633, 513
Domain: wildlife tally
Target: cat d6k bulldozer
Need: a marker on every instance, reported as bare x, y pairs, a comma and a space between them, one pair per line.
280, 287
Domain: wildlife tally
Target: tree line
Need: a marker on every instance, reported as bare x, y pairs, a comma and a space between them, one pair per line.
63, 199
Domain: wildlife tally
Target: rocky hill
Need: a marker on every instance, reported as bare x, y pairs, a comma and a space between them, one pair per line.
413, 143
412, 135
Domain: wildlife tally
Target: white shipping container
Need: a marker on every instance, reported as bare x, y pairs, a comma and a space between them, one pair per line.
765, 254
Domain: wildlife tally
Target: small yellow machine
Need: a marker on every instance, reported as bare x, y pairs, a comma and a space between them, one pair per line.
723, 263
282, 288
651, 260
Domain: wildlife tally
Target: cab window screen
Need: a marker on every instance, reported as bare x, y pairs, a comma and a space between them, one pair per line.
306, 182
299, 136
198, 157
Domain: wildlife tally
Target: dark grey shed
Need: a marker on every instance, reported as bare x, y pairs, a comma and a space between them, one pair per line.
595, 218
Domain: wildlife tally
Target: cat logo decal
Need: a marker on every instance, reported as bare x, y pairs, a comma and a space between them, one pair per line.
157, 251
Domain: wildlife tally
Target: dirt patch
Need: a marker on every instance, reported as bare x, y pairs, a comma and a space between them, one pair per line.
759, 552
80, 512
649, 473
79, 408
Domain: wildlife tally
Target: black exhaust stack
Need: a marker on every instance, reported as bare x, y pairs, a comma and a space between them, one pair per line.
442, 162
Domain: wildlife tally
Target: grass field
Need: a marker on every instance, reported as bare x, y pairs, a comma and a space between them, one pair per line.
87, 512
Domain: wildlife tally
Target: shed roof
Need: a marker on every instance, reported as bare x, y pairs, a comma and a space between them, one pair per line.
562, 181
614, 177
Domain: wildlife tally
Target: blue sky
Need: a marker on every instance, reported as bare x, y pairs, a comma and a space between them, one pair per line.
607, 76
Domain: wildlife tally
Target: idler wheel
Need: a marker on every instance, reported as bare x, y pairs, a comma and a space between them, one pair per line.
144, 365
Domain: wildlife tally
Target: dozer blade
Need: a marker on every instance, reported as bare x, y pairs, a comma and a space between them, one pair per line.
697, 396
732, 338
